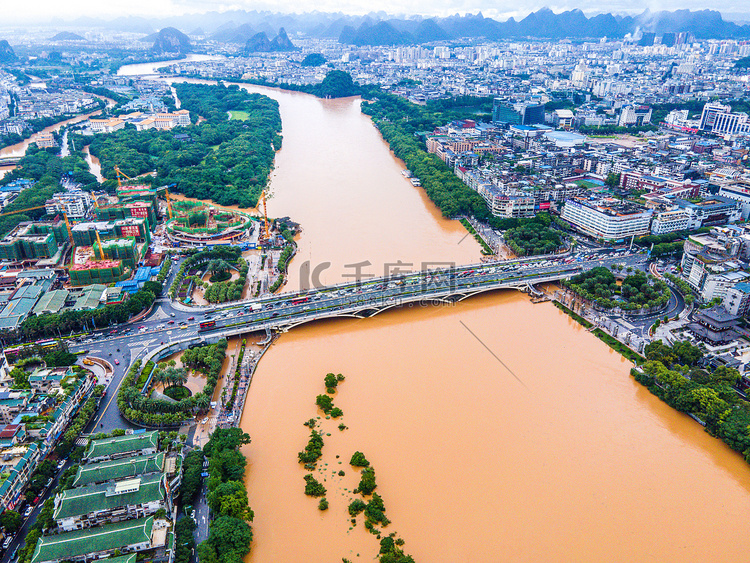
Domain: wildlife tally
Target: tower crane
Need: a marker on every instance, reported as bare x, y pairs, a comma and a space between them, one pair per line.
264, 234
120, 174
167, 197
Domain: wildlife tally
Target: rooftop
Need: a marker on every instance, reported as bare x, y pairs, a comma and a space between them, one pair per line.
122, 444
93, 540
118, 469
108, 496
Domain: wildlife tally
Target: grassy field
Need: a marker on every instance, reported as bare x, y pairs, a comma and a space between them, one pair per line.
240, 115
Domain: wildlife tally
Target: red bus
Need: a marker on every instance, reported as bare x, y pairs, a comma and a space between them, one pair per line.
299, 301
206, 325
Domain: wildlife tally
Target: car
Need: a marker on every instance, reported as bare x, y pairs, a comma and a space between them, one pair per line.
170, 322
61, 464
114, 331
28, 511
183, 327
142, 327
191, 318
117, 362
171, 314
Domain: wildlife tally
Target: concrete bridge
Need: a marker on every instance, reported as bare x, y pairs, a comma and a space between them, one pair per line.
368, 297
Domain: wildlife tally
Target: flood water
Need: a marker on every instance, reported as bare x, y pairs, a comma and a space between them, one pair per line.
499, 430
19, 149
95, 166
567, 458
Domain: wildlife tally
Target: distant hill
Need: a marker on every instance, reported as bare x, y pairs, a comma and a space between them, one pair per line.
67, 36
379, 28
240, 34
382, 33
428, 31
259, 43
171, 40
7, 54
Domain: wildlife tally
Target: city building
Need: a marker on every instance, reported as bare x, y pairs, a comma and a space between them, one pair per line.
718, 118
75, 203
634, 116
607, 219
563, 118
670, 221
737, 299
95, 504
738, 189
711, 262
107, 449
98, 543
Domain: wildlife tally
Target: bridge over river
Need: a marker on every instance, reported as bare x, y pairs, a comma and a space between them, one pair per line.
369, 296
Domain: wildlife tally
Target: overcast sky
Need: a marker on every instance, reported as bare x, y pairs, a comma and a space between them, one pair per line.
36, 10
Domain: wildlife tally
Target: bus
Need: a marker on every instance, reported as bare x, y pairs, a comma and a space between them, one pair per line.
300, 301
206, 325
50, 344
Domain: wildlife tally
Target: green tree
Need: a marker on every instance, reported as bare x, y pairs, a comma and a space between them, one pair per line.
60, 358
230, 499
11, 521
359, 460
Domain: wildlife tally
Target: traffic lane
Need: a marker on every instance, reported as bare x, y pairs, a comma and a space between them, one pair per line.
19, 539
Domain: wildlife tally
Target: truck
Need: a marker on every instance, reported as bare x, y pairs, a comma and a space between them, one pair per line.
256, 307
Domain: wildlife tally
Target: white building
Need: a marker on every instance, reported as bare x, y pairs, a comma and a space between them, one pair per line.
670, 221
74, 203
737, 299
635, 115
106, 125
607, 219
738, 190
718, 118
563, 118
507, 206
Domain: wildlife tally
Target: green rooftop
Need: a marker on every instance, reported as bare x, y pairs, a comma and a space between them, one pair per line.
51, 302
123, 559
118, 469
93, 540
121, 444
108, 496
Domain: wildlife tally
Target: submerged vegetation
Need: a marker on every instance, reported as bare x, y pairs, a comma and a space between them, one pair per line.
374, 509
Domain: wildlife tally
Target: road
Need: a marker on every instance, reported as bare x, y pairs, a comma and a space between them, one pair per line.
18, 540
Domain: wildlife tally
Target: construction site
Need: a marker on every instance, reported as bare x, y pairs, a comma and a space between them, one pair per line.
198, 224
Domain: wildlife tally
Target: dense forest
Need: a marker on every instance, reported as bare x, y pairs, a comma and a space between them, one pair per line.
227, 161
336, 84
46, 169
